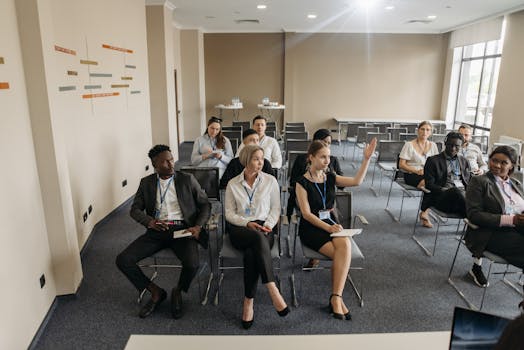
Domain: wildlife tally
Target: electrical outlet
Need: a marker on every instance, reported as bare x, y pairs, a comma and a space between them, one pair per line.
124, 183
42, 281
85, 216
147, 167
90, 209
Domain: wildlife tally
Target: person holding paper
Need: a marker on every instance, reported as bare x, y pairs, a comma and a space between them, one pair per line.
212, 149
252, 208
316, 193
166, 202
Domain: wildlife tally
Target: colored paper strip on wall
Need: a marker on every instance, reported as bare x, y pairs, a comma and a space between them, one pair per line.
4, 85
130, 66
66, 88
64, 50
72, 72
92, 63
135, 92
1, 60
105, 46
90, 87
105, 94
127, 78
119, 86
101, 75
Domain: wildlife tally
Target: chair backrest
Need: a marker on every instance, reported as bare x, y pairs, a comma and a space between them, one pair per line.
395, 132
388, 151
438, 137
232, 128
207, 177
362, 132
232, 134
483, 140
295, 123
244, 124
407, 136
297, 128
234, 145
271, 133
412, 127
379, 135
344, 208
297, 145
382, 127
291, 156
296, 135
352, 128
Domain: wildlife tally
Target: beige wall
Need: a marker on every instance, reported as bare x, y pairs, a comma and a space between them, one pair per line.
387, 76
24, 304
507, 113
193, 84
249, 66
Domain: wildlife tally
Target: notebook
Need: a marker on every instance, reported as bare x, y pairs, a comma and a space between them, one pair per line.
347, 232
475, 330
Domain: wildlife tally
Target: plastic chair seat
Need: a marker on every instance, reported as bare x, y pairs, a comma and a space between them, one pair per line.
356, 253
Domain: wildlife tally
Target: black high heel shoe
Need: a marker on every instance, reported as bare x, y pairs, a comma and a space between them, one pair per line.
247, 324
283, 312
338, 316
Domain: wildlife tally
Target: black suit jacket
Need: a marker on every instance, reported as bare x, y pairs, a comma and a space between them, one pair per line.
436, 172
193, 202
234, 168
485, 205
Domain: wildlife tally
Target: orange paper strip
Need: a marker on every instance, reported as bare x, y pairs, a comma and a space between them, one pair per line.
119, 85
105, 46
105, 94
1, 60
72, 72
94, 63
64, 50
4, 85
127, 78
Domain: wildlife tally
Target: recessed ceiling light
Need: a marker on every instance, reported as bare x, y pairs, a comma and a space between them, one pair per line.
312, 16
431, 17
261, 7
389, 8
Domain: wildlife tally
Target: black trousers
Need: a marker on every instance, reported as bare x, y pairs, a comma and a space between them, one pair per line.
509, 245
257, 256
452, 200
185, 249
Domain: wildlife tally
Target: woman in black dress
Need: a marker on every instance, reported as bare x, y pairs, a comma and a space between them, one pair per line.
315, 192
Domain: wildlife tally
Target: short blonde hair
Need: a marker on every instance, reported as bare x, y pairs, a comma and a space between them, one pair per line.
246, 154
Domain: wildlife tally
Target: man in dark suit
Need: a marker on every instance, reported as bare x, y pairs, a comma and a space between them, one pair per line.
166, 203
447, 174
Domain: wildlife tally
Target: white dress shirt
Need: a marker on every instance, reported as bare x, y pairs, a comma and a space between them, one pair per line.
415, 159
168, 208
203, 145
473, 154
265, 203
271, 151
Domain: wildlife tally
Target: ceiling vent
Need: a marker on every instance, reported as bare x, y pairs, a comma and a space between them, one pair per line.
425, 21
240, 21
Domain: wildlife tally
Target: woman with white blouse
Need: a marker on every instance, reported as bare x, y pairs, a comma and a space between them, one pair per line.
252, 207
212, 149
412, 159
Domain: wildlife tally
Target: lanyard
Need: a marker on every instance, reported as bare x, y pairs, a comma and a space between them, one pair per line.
213, 143
250, 196
455, 166
322, 194
162, 195
511, 201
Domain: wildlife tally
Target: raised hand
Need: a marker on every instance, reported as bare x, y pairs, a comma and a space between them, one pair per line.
370, 148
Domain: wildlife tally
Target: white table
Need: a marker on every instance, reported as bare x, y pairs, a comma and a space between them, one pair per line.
235, 108
268, 111
390, 341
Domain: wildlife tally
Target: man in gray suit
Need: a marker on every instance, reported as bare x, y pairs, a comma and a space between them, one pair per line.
166, 203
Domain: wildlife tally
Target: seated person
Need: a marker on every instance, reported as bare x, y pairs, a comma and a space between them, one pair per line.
269, 144
412, 159
212, 149
447, 175
316, 195
234, 168
495, 203
472, 152
252, 207
166, 202
300, 165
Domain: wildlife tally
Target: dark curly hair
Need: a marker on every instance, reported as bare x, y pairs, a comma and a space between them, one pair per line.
453, 135
156, 150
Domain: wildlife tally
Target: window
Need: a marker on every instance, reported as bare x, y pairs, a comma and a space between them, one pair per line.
474, 84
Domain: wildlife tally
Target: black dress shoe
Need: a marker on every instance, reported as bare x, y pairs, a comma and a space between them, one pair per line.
247, 324
283, 312
151, 305
346, 316
176, 303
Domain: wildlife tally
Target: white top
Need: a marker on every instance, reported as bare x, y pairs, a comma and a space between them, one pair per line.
203, 145
169, 208
415, 159
473, 154
265, 203
271, 151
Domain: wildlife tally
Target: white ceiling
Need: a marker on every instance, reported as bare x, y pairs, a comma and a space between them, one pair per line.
349, 16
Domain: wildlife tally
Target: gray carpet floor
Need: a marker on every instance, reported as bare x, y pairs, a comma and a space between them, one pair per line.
404, 290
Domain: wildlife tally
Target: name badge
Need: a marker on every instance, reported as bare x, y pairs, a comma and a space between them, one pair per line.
247, 211
458, 183
324, 215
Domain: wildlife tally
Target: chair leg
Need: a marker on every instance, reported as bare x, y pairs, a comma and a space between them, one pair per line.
428, 253
215, 302
389, 197
485, 289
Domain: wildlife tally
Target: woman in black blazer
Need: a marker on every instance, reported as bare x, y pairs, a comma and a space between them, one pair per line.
495, 203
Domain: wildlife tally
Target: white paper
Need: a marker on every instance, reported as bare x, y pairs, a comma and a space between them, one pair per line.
347, 232
181, 233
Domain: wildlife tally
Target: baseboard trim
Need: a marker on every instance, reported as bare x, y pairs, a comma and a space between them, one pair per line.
43, 325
